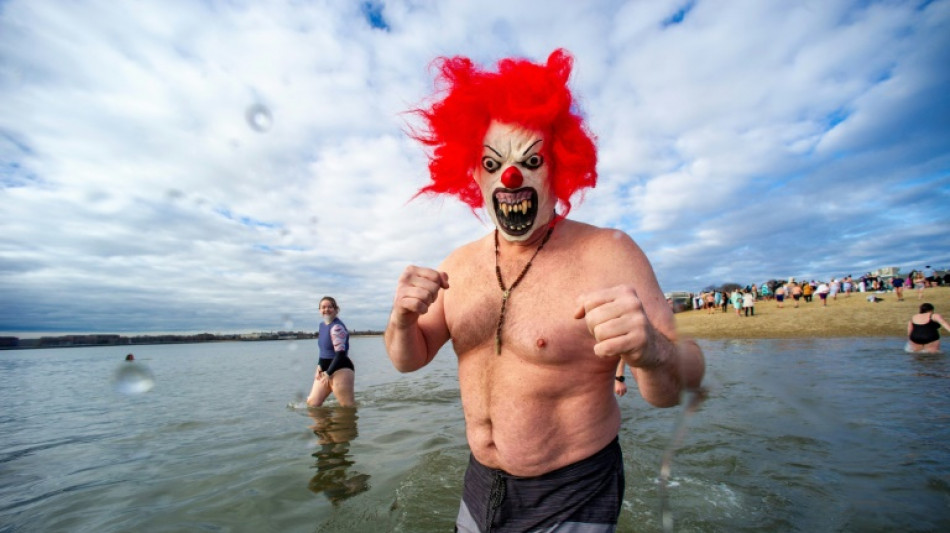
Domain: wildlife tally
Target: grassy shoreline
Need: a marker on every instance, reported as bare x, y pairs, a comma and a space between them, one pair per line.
847, 316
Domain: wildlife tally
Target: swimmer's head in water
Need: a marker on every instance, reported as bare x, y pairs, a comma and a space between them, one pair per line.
527, 98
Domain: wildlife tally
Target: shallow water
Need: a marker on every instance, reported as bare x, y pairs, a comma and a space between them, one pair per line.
796, 435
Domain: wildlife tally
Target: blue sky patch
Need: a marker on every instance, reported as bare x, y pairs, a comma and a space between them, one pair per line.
679, 15
373, 13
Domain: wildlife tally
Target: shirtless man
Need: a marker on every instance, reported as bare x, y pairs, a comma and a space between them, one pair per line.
796, 290
540, 312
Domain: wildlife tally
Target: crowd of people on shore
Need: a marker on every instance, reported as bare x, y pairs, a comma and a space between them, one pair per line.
922, 328
791, 292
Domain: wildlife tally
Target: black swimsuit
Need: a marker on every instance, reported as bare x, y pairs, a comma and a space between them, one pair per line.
925, 333
341, 360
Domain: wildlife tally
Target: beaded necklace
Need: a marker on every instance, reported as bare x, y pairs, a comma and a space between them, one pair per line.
505, 293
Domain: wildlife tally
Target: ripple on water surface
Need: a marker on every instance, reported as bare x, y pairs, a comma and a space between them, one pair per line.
810, 435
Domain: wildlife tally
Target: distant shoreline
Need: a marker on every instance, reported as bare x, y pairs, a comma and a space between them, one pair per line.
846, 316
108, 339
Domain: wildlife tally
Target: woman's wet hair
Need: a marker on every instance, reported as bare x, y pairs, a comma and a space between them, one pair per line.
926, 308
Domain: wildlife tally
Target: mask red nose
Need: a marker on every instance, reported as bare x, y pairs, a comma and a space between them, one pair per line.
511, 178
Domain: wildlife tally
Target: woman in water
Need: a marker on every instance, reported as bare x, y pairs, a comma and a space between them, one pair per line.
335, 372
922, 330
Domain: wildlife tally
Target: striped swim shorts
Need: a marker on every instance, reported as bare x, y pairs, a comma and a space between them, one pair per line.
584, 497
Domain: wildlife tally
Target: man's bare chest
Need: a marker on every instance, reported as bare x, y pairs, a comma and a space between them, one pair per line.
538, 312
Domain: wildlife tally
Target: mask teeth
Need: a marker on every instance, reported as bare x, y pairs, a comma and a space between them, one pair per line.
518, 207
520, 227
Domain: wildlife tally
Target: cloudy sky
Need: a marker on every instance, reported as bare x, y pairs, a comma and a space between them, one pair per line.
181, 166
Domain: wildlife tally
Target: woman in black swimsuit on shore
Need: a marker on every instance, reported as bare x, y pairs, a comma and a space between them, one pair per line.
922, 330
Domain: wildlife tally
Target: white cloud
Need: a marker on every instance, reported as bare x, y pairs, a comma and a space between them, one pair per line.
737, 142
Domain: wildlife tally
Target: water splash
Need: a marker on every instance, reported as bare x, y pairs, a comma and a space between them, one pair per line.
691, 400
132, 378
299, 402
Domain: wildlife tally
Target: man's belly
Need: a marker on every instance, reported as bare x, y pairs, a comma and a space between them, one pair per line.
530, 436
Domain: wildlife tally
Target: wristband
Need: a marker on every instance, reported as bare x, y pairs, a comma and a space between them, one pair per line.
621, 379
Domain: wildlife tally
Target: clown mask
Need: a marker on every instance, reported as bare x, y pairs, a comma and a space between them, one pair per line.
513, 177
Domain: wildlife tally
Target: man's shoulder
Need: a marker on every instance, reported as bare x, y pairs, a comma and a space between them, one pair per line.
464, 253
588, 235
603, 253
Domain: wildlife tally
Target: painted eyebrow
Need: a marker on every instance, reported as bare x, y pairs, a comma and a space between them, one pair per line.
493, 150
528, 149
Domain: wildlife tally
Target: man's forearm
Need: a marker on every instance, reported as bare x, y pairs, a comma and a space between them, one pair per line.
406, 347
692, 364
673, 367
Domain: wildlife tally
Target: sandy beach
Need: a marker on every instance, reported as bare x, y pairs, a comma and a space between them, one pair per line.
847, 316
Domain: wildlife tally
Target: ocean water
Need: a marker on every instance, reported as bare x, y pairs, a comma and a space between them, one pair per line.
795, 435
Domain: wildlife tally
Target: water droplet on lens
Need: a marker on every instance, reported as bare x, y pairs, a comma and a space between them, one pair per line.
259, 118
133, 378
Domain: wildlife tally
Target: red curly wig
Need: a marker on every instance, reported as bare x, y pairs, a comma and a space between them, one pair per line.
529, 94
